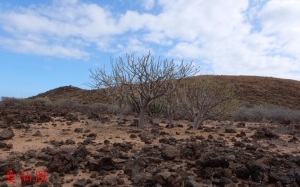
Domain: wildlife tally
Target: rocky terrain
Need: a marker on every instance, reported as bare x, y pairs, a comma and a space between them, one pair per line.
86, 147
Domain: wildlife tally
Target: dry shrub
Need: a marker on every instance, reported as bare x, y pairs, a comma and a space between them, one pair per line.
255, 114
11, 101
64, 103
99, 106
38, 102
115, 109
79, 106
2, 105
261, 114
49, 105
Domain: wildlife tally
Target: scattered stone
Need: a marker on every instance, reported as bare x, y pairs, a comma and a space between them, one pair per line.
105, 163
44, 156
166, 178
37, 133
133, 136
62, 162
6, 134
242, 172
29, 154
240, 125
44, 118
257, 171
230, 131
141, 177
80, 153
5, 166
212, 159
70, 142
78, 130
80, 183
9, 146
2, 144
284, 179
265, 133
170, 152
239, 144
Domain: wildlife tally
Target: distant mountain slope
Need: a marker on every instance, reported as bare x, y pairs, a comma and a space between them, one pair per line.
251, 89
74, 94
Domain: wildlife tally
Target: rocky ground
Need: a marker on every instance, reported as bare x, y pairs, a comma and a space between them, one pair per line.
88, 148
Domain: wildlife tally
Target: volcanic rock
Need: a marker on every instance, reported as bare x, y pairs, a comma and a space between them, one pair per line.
6, 134
170, 152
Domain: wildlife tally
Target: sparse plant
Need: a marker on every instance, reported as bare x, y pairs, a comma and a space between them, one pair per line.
266, 113
112, 85
205, 99
142, 81
157, 107
2, 105
38, 102
99, 106
171, 106
11, 101
64, 103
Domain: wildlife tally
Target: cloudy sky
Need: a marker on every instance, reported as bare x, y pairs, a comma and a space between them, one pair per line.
51, 43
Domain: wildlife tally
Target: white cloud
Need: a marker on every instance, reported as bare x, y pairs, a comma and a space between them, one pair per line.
27, 46
148, 4
226, 36
281, 19
133, 45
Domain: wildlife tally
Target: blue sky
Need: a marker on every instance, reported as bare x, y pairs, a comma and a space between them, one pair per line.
46, 44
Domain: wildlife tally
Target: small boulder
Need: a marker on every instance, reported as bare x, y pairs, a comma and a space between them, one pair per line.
79, 183
166, 178
170, 152
257, 171
6, 134
242, 172
230, 130
212, 159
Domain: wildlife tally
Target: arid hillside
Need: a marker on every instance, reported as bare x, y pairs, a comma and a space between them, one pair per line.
249, 89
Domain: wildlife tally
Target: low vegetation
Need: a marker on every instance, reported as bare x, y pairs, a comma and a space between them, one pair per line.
266, 114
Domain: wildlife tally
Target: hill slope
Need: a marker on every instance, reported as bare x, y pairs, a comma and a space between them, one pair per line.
251, 89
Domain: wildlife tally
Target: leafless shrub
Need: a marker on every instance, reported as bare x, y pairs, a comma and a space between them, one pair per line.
255, 114
260, 114
278, 114
205, 99
99, 106
296, 116
79, 106
2, 105
64, 103
37, 102
50, 105
115, 109
11, 101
